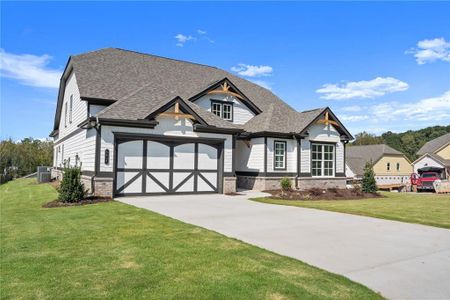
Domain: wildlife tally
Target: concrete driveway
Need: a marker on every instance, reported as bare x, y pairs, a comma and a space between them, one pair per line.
399, 260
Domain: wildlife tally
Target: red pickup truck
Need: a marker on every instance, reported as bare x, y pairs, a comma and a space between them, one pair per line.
424, 181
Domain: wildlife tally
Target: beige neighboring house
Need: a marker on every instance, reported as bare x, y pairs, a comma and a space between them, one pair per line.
435, 154
390, 166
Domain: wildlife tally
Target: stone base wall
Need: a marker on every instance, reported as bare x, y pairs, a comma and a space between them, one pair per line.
273, 183
322, 183
103, 187
260, 183
229, 185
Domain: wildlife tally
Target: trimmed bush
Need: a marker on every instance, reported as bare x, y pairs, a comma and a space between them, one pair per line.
71, 188
369, 184
285, 184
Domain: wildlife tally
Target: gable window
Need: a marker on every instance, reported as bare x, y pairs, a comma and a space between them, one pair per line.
398, 166
222, 109
65, 115
388, 166
70, 108
279, 155
322, 159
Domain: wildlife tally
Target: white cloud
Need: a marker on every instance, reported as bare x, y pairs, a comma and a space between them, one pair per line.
29, 69
428, 51
430, 109
252, 71
262, 83
362, 89
201, 32
353, 118
181, 38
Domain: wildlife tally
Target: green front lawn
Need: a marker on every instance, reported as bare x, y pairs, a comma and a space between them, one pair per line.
112, 250
428, 209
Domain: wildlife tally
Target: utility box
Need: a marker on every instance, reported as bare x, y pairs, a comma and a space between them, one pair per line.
43, 174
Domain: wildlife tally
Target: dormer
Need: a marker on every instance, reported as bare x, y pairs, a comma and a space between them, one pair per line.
226, 101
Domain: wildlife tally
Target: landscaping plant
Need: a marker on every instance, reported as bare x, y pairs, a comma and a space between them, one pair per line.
71, 188
285, 184
369, 185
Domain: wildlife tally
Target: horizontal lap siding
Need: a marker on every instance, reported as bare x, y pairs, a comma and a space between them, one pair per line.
250, 159
167, 127
291, 155
241, 113
340, 168
305, 156
83, 144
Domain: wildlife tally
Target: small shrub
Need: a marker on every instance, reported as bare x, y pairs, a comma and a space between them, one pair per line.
71, 188
285, 184
369, 184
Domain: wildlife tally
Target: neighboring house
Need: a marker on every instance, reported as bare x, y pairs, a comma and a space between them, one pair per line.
435, 153
141, 124
390, 166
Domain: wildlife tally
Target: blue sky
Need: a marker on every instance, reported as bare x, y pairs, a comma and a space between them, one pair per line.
380, 66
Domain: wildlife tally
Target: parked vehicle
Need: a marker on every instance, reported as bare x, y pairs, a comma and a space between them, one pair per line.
424, 180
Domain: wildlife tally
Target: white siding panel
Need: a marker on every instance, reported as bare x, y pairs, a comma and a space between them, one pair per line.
166, 127
305, 156
291, 155
94, 109
426, 161
83, 144
323, 133
340, 168
79, 109
241, 113
250, 159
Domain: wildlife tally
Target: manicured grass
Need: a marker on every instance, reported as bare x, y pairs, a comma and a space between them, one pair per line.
112, 250
428, 209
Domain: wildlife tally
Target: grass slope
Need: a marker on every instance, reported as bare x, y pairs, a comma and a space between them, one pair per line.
427, 209
112, 250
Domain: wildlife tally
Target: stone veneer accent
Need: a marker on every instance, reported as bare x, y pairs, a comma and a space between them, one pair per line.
229, 185
103, 187
273, 183
322, 183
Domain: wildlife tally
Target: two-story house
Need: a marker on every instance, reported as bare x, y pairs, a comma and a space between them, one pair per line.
141, 124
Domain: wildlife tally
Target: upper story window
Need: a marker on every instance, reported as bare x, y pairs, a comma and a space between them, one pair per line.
398, 166
322, 158
70, 108
65, 114
388, 166
279, 155
222, 109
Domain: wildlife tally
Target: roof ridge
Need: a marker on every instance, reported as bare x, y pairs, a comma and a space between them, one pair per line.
162, 57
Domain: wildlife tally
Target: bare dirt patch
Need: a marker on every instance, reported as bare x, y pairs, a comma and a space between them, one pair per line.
87, 201
322, 194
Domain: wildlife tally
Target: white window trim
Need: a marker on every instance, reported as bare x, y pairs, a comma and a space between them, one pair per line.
221, 104
275, 143
322, 167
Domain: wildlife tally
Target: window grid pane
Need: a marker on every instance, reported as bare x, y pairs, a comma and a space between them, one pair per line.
280, 151
227, 112
322, 158
216, 108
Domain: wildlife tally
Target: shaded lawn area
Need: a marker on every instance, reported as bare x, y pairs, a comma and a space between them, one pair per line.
112, 250
427, 209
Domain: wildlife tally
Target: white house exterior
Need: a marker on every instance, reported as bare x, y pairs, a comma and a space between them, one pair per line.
435, 154
140, 124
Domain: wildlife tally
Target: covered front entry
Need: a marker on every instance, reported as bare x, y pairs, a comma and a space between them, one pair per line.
167, 165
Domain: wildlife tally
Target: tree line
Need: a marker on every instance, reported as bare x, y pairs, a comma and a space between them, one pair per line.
21, 158
408, 142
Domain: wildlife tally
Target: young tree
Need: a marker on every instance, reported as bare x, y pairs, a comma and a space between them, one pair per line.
369, 185
71, 188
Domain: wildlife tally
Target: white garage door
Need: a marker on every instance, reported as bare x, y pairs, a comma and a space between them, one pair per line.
145, 167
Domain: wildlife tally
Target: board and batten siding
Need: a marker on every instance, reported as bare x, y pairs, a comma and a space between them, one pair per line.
250, 159
241, 113
321, 133
167, 127
291, 155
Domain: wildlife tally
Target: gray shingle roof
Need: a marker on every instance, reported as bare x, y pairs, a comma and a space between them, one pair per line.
141, 83
357, 156
434, 145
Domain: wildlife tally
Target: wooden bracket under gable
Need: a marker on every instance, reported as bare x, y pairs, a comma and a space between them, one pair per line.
327, 120
177, 114
225, 89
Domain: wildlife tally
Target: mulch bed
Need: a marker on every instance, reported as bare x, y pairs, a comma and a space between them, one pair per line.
322, 194
89, 200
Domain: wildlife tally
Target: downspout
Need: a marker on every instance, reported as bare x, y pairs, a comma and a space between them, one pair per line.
298, 162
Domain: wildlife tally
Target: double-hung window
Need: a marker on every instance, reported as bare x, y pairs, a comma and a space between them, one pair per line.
222, 109
279, 155
322, 159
